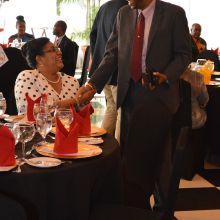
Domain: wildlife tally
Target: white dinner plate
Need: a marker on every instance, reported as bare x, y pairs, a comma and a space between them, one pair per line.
95, 131
214, 83
91, 140
7, 168
216, 73
43, 162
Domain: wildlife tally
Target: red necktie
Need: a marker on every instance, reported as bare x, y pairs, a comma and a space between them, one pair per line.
136, 57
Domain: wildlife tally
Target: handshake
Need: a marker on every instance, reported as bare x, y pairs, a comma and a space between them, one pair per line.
84, 95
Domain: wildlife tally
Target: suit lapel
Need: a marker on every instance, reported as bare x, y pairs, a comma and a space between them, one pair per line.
155, 24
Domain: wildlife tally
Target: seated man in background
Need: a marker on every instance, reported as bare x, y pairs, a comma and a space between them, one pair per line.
198, 43
68, 48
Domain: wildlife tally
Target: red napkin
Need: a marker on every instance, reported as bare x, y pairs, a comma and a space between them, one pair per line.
7, 147
216, 51
83, 119
66, 142
30, 105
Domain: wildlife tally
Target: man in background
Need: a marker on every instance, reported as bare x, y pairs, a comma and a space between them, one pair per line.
101, 30
198, 43
68, 48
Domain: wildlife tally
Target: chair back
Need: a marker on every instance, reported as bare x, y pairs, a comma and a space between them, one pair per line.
8, 74
76, 49
177, 167
183, 116
210, 55
85, 67
11, 209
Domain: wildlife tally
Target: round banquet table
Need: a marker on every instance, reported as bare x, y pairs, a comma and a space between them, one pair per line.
213, 124
68, 191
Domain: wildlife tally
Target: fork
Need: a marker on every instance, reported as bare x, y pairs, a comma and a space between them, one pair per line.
29, 152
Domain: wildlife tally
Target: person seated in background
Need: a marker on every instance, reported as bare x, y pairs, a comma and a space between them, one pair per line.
68, 48
21, 35
198, 43
199, 97
46, 61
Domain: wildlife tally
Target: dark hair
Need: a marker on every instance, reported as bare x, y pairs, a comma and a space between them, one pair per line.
20, 19
34, 48
63, 25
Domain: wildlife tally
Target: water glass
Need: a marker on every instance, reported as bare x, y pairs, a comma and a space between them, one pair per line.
39, 108
2, 104
43, 125
65, 116
23, 133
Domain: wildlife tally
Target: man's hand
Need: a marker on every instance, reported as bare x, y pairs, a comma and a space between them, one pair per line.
161, 78
85, 95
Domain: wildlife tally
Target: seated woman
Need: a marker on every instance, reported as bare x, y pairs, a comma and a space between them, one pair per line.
46, 61
21, 35
199, 97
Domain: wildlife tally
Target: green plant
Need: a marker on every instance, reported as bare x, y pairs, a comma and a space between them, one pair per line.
92, 7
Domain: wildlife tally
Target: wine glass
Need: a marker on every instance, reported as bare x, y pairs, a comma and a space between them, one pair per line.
2, 105
23, 133
65, 116
43, 125
39, 108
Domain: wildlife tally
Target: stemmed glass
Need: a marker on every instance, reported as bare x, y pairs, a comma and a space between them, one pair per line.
23, 133
43, 125
2, 104
39, 108
65, 116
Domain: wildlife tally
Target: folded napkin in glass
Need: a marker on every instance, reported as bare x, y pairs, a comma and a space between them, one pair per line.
66, 141
30, 105
83, 119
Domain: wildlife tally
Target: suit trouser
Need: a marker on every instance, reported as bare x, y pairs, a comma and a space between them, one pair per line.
111, 121
145, 127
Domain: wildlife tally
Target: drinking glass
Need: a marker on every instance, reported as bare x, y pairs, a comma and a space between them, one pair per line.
23, 133
43, 125
2, 104
39, 108
65, 116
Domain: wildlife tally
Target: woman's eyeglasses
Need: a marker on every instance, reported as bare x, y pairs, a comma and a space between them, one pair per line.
52, 49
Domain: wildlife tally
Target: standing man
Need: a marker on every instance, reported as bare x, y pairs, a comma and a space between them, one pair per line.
68, 48
101, 30
198, 43
148, 35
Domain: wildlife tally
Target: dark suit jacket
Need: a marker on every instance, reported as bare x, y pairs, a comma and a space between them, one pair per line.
169, 51
69, 55
195, 51
101, 30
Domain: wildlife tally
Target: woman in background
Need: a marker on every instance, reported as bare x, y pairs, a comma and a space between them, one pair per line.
21, 36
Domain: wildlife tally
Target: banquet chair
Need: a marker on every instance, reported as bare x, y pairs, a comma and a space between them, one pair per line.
116, 212
8, 74
10, 209
76, 48
85, 67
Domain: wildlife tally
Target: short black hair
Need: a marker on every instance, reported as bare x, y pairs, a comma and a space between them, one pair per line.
63, 25
32, 49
